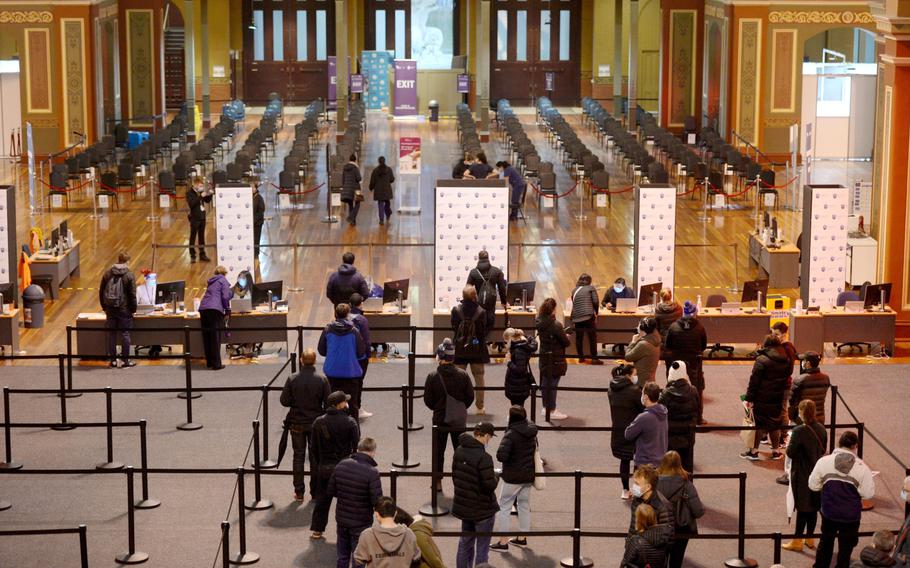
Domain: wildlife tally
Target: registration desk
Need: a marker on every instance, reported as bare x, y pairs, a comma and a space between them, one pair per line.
517, 318
9, 328
389, 317
162, 328
59, 268
780, 264
810, 331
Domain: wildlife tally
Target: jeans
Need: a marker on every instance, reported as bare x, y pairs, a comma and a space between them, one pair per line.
805, 523
548, 387
300, 437
351, 387
477, 370
474, 550
520, 494
197, 236
439, 457
212, 322
347, 542
319, 486
846, 535
385, 209
676, 552
123, 323
585, 329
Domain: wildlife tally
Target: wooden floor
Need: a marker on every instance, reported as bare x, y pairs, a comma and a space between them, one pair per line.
551, 247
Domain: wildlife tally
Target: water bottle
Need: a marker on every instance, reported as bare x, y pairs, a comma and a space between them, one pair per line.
799, 306
698, 302
569, 305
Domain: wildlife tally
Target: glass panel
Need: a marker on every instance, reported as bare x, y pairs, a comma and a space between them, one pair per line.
545, 35
401, 36
302, 36
278, 35
521, 35
258, 36
433, 33
564, 34
380, 30
320, 36
502, 35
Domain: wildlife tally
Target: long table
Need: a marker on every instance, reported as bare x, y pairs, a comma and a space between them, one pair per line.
780, 264
59, 268
9, 329
810, 332
389, 317
517, 318
168, 329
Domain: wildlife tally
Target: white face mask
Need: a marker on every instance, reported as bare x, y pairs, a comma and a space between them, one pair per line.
904, 495
636, 490
644, 401
635, 380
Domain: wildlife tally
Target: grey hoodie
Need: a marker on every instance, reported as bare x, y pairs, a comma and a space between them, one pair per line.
649, 432
382, 547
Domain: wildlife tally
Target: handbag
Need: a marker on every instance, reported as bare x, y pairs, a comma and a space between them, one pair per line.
540, 482
748, 436
456, 413
358, 196
683, 515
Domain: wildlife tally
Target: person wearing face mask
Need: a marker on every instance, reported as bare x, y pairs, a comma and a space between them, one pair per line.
617, 291
644, 491
244, 285
681, 400
902, 545
475, 502
625, 405
649, 429
196, 198
644, 350
676, 485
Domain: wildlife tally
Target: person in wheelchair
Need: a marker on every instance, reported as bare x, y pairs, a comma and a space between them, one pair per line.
243, 289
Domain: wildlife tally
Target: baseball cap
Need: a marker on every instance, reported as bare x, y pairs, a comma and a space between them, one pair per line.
485, 428
337, 398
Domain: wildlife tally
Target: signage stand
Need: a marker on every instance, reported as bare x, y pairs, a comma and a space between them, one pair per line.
409, 167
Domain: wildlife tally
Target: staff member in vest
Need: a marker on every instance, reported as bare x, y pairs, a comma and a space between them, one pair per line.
518, 185
213, 309
196, 199
342, 346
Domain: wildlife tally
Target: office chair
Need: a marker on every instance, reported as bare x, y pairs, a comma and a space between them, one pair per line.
841, 301
716, 301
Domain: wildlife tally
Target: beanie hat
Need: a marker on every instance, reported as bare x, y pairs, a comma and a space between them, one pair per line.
689, 309
446, 350
677, 371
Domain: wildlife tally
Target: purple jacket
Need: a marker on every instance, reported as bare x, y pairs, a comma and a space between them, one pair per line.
217, 295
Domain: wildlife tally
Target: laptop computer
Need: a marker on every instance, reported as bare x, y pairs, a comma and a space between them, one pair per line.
241, 305
372, 305
854, 306
730, 307
626, 305
145, 309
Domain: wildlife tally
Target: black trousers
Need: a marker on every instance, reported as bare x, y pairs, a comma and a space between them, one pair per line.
441, 440
323, 500
846, 535
686, 456
351, 387
625, 472
364, 364
257, 236
676, 551
585, 329
197, 237
805, 523
212, 323
300, 437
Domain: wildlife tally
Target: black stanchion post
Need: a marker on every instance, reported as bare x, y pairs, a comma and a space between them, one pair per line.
83, 547
832, 427
577, 560
434, 509
266, 463
533, 402
393, 484
299, 339
242, 557
62, 394
69, 354
293, 363
777, 545
258, 504
109, 418
225, 544
405, 462
861, 434
8, 436
907, 503
741, 561
69, 387
189, 424
131, 556
188, 366
146, 502
412, 375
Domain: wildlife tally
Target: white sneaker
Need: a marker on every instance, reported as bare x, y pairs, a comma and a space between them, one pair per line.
557, 415
364, 414
625, 494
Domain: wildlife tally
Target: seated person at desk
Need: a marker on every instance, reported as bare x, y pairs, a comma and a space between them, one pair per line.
145, 296
618, 290
244, 285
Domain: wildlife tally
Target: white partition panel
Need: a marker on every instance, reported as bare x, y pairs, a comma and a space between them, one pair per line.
824, 244
655, 234
234, 228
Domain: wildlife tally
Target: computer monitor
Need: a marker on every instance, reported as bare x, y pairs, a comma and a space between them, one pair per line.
164, 291
766, 220
774, 230
646, 293
64, 229
873, 296
390, 290
261, 292
751, 288
513, 292
9, 293
55, 237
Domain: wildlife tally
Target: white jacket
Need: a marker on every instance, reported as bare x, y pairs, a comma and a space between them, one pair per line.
844, 480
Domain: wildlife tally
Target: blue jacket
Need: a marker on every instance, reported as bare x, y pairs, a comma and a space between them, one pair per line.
342, 346
217, 295
356, 486
363, 326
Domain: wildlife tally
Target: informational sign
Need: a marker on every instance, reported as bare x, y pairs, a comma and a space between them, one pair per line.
56, 201
164, 201
603, 70
471, 216
218, 71
861, 199
655, 234
409, 155
356, 83
822, 276
234, 228
463, 83
333, 82
549, 81
30, 146
405, 95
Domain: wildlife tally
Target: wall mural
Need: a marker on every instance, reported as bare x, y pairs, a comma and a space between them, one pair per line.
37, 70
749, 71
140, 78
26, 17
74, 100
682, 65
783, 71
819, 17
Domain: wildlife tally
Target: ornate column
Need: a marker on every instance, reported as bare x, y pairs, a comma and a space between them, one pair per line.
633, 64
483, 70
341, 65
204, 32
617, 57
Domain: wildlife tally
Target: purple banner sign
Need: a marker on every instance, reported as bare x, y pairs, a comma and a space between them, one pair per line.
356, 83
463, 85
405, 92
333, 83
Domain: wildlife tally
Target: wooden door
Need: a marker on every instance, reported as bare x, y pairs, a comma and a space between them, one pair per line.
528, 40
174, 68
388, 26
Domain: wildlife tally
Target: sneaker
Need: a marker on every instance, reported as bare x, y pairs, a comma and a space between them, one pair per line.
557, 415
766, 441
783, 479
127, 364
499, 547
114, 364
749, 455
775, 455
316, 535
364, 414
518, 541
625, 495
480, 411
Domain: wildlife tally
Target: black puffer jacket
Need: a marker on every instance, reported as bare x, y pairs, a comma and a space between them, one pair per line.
334, 437
662, 508
475, 481
350, 181
812, 385
681, 400
344, 282
647, 549
768, 385
485, 271
305, 394
686, 340
671, 487
625, 405
381, 183
516, 452
666, 314
457, 384
553, 342
518, 372
356, 486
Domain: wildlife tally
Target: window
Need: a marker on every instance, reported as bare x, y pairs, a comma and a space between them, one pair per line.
380, 31
258, 36
544, 35
564, 34
521, 35
278, 35
432, 33
320, 35
401, 34
302, 37
833, 99
502, 35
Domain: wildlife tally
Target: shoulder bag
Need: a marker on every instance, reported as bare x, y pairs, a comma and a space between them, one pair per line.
456, 413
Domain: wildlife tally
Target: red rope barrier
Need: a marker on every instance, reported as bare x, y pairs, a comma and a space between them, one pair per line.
304, 192
762, 182
555, 196
63, 189
608, 192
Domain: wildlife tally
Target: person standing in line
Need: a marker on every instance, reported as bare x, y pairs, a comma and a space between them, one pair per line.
686, 341
765, 395
356, 486
345, 281
902, 546
844, 481
342, 346
667, 312
258, 217
584, 317
388, 543
625, 405
681, 400
469, 322
645, 492
516, 453
448, 381
518, 370
381, 181
363, 326
676, 486
196, 198
644, 350
430, 557
334, 437
781, 330
474, 502
645, 547
807, 445
117, 295
214, 309
552, 361
879, 554
306, 394
649, 429
350, 189
490, 284
812, 384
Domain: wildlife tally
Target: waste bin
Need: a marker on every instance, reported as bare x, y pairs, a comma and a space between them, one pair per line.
434, 111
33, 304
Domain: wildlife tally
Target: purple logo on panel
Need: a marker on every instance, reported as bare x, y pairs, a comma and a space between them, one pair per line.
405, 92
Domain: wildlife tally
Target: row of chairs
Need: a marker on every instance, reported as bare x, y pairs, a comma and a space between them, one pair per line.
297, 162
514, 138
726, 158
351, 143
248, 160
467, 130
198, 157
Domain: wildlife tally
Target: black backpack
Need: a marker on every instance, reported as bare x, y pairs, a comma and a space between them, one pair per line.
466, 341
113, 293
486, 296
